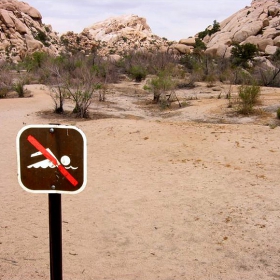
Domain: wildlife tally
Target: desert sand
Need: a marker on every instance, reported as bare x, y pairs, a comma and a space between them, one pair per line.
190, 193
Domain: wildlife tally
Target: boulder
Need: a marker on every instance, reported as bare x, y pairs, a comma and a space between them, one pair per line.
252, 40
32, 44
222, 50
32, 12
189, 41
273, 11
270, 49
271, 32
264, 64
181, 48
262, 44
251, 29
211, 51
5, 17
276, 41
20, 26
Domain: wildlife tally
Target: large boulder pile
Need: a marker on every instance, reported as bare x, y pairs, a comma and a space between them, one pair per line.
22, 31
258, 24
117, 35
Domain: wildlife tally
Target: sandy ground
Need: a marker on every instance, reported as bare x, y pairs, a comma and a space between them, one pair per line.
184, 194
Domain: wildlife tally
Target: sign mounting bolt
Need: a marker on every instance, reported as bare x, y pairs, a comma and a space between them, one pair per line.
53, 187
51, 130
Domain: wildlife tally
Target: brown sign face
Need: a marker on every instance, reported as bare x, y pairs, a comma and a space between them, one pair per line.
51, 159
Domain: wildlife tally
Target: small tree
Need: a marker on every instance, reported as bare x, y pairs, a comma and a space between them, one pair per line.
53, 73
80, 87
209, 30
242, 54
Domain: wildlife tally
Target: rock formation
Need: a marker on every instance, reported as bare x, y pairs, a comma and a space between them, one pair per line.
257, 24
22, 31
116, 36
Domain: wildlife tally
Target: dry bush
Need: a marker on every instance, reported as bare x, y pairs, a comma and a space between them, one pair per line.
248, 96
6, 79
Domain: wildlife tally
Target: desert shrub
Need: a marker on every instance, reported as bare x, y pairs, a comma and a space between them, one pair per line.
160, 85
138, 72
215, 28
188, 61
42, 37
248, 97
58, 96
269, 76
152, 62
22, 80
209, 31
201, 67
278, 113
160, 61
34, 61
73, 78
242, 54
242, 76
107, 70
19, 88
6, 79
80, 86
199, 45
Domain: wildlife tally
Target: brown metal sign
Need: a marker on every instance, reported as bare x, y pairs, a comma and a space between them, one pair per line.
52, 159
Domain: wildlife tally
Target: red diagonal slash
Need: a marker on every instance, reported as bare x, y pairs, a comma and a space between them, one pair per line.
54, 161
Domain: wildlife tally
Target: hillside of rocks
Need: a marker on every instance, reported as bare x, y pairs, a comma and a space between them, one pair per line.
22, 31
115, 36
258, 24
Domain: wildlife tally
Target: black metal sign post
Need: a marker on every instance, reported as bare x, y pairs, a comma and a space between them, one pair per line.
55, 236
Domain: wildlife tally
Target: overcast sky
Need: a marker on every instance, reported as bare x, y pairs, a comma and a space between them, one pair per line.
173, 19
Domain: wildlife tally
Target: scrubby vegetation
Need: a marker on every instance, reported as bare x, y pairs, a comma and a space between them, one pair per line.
209, 30
248, 98
81, 77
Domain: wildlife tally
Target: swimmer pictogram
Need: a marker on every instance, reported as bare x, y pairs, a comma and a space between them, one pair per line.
52, 159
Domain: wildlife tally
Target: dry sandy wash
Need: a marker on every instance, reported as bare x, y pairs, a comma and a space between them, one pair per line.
167, 197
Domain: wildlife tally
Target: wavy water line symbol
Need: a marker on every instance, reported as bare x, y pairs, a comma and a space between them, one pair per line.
46, 163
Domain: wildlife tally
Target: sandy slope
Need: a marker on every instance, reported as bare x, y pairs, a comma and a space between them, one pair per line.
166, 199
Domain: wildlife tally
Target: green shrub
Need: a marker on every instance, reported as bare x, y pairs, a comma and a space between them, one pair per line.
248, 97
160, 85
209, 31
42, 37
241, 54
19, 88
199, 44
278, 113
138, 73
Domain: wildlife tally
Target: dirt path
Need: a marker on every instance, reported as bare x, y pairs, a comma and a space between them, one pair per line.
166, 199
